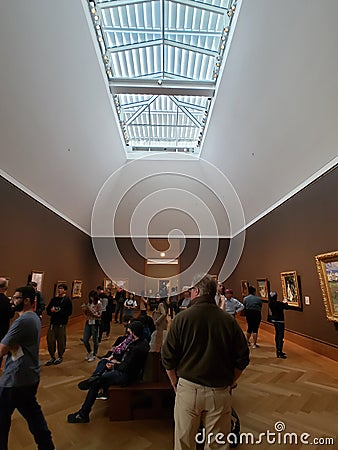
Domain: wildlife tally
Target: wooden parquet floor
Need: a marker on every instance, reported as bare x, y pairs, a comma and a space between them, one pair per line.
301, 391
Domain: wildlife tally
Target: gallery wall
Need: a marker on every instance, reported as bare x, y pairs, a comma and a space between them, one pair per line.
34, 238
287, 239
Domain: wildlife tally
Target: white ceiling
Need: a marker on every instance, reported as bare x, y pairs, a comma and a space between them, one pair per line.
273, 126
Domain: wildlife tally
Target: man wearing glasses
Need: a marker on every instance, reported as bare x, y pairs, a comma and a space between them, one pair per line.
21, 374
204, 354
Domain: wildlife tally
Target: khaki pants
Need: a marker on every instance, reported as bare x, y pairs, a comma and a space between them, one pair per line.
56, 334
195, 403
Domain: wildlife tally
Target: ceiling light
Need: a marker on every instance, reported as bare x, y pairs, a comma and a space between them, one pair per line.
162, 254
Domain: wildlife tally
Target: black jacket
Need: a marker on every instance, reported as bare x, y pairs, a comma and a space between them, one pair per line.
134, 359
6, 313
66, 309
277, 311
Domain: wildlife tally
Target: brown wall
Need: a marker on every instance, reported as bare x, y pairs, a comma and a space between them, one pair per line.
288, 239
34, 238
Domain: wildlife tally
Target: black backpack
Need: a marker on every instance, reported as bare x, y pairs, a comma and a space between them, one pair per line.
233, 437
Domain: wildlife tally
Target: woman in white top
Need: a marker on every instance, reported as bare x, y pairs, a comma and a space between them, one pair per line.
129, 306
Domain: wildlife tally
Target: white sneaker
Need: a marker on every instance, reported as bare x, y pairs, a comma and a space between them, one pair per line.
91, 358
88, 356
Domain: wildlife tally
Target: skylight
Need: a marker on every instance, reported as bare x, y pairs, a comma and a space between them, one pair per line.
162, 60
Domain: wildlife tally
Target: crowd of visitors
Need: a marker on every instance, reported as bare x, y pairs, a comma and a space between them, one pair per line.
172, 325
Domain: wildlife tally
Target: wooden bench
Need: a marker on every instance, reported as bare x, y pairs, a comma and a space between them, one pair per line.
151, 398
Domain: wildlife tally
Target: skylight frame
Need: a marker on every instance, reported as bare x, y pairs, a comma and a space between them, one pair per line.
162, 49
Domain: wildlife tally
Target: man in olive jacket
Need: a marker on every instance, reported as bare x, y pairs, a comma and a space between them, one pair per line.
204, 354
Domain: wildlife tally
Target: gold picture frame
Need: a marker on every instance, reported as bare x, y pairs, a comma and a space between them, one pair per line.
244, 288
77, 288
107, 284
290, 288
327, 267
263, 288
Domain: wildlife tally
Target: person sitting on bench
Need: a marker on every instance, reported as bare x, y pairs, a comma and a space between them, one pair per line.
123, 372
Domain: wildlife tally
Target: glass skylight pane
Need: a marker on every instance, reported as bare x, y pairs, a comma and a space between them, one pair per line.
183, 43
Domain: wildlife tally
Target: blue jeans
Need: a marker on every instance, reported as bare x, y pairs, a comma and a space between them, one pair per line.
91, 331
24, 400
109, 378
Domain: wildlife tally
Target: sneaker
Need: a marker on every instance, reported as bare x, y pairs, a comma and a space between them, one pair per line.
282, 355
77, 418
254, 346
58, 361
101, 396
50, 362
88, 355
91, 358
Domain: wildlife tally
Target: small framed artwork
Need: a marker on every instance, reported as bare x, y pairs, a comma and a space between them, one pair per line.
77, 288
37, 276
244, 288
56, 287
107, 283
327, 267
290, 288
263, 288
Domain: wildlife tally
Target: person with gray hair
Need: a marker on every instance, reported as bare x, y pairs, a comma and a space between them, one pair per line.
204, 354
6, 311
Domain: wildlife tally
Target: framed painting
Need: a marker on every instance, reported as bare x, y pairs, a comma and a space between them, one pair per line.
263, 288
290, 288
56, 286
107, 284
327, 267
244, 288
77, 289
37, 276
